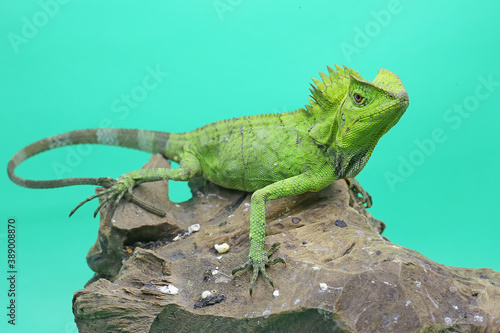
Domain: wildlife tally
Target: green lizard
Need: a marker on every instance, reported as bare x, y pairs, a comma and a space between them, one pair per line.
274, 156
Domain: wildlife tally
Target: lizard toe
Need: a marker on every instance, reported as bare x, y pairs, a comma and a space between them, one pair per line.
258, 261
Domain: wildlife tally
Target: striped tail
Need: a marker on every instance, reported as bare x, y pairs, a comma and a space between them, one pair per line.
149, 141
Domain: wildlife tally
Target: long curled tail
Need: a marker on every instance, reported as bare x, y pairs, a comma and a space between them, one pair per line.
148, 141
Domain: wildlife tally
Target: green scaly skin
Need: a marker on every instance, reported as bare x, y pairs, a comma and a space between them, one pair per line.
274, 156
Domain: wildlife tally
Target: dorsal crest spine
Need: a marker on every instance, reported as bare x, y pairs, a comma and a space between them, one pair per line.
331, 89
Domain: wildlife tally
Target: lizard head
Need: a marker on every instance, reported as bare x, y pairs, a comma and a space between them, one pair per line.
370, 109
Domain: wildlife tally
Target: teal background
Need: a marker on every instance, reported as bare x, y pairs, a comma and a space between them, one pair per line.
232, 58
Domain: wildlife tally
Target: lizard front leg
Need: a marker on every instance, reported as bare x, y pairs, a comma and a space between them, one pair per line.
311, 181
189, 168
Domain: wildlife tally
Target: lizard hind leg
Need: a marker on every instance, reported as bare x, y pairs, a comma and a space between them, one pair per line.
122, 187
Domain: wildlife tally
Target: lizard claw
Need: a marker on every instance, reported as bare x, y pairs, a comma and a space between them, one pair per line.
117, 189
259, 261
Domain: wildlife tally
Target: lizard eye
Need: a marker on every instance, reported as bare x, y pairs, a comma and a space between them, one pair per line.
358, 98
